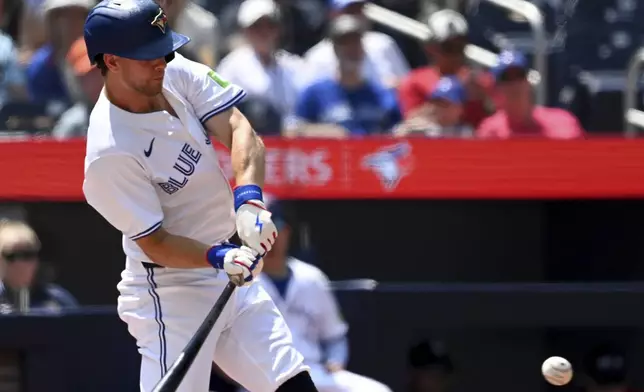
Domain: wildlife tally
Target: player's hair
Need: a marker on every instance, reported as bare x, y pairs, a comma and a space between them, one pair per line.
14, 232
100, 64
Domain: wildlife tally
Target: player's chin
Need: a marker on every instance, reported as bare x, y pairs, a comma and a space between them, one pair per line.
155, 87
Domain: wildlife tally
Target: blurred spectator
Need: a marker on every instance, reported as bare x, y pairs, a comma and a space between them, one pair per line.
442, 116
302, 22
301, 292
269, 75
518, 115
201, 26
430, 368
47, 74
348, 103
32, 34
383, 61
12, 78
19, 248
85, 82
605, 368
446, 48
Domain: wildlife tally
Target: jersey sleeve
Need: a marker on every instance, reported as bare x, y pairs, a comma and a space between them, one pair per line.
118, 188
208, 92
332, 325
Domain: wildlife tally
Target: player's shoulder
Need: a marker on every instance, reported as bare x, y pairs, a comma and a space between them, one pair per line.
111, 131
180, 68
304, 271
183, 74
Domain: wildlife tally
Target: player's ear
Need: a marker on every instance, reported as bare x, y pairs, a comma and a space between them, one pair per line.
111, 62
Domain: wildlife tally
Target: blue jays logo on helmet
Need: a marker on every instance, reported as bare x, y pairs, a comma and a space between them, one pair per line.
160, 21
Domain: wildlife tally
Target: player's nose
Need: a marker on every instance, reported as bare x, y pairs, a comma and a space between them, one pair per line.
159, 64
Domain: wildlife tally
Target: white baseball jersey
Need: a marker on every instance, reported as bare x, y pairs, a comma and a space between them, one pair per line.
309, 308
147, 170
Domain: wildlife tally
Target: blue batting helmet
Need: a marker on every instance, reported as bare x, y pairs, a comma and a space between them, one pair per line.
134, 29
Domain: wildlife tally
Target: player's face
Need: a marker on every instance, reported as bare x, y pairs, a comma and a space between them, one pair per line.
143, 76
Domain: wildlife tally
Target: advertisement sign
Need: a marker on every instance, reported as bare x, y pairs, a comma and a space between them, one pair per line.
379, 168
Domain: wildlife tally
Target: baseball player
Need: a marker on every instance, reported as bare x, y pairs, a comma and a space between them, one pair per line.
151, 172
301, 292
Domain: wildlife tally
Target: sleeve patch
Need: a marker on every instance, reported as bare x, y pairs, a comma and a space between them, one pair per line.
218, 79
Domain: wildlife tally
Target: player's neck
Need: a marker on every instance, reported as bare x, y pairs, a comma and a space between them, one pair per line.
132, 101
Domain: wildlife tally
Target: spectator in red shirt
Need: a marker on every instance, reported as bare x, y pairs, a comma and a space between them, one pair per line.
447, 50
518, 115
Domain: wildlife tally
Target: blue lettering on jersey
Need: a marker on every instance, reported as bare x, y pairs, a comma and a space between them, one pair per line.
185, 165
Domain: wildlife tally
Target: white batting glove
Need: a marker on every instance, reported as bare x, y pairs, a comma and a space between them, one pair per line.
255, 227
242, 265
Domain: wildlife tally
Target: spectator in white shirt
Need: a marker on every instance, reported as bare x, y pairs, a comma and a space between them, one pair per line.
383, 63
267, 74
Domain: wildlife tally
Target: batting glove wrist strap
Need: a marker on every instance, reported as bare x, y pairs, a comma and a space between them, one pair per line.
246, 193
217, 254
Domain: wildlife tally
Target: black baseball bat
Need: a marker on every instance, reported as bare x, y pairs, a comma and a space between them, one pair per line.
172, 379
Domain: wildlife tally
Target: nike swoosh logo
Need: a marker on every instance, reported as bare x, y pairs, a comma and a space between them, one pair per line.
148, 152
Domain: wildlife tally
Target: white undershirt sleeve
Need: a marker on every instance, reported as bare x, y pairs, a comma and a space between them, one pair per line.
118, 188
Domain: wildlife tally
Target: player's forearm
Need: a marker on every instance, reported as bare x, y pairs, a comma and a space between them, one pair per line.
247, 153
174, 251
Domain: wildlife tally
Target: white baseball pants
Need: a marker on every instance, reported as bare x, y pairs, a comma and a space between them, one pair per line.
344, 381
250, 341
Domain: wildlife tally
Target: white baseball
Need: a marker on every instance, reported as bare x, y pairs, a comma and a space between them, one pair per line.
557, 371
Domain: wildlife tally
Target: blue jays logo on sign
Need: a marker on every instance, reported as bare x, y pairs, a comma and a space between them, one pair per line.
390, 164
185, 165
